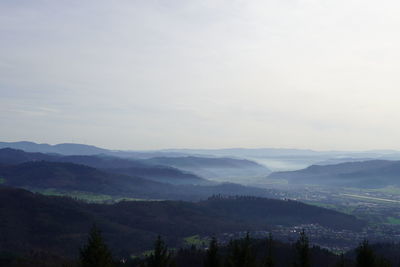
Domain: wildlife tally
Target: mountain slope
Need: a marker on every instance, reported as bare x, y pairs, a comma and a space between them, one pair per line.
367, 174
65, 149
74, 177
60, 224
164, 174
67, 177
220, 169
15, 156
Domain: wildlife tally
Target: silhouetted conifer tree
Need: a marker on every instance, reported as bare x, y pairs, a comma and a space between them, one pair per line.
269, 260
241, 254
382, 262
365, 255
341, 262
302, 251
212, 257
95, 253
161, 257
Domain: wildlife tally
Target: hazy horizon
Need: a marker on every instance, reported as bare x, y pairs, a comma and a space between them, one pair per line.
203, 148
148, 75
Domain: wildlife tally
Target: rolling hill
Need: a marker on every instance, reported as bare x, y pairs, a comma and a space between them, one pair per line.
364, 174
65, 149
59, 225
69, 177
218, 169
174, 170
73, 177
164, 174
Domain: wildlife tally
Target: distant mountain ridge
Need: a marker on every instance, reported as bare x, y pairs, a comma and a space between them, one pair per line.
221, 169
65, 148
215, 168
364, 174
69, 177
75, 173
163, 174
276, 159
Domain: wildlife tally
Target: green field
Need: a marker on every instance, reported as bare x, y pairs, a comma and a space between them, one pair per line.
321, 205
388, 189
393, 220
86, 196
340, 208
2, 180
373, 217
195, 240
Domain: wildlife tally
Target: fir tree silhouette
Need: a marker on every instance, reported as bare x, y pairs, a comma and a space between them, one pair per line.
241, 254
161, 257
302, 251
269, 260
341, 262
95, 253
212, 258
365, 255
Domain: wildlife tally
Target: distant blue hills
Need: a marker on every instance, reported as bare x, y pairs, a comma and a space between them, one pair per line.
100, 174
361, 174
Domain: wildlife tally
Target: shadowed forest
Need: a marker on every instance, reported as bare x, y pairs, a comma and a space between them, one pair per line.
244, 252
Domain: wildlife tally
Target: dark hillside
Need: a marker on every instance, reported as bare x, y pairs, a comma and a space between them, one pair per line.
68, 176
130, 167
73, 177
58, 224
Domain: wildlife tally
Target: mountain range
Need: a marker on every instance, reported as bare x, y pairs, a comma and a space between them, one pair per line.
64, 149
218, 169
227, 169
113, 176
276, 159
132, 167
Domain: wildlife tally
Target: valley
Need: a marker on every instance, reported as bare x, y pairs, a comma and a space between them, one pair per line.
188, 199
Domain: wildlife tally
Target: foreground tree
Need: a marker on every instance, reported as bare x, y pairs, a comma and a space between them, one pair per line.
161, 257
341, 262
302, 251
240, 253
212, 257
95, 253
382, 262
269, 260
365, 255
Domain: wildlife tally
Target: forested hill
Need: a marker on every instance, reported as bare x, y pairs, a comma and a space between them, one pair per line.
65, 149
364, 174
214, 168
59, 224
175, 170
68, 177
109, 176
155, 172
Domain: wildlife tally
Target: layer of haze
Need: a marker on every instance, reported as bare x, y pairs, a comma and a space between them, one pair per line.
201, 73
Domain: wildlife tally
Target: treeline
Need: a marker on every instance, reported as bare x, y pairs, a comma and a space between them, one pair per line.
59, 225
244, 252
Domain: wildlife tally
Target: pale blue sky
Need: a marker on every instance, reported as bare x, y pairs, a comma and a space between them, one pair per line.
201, 74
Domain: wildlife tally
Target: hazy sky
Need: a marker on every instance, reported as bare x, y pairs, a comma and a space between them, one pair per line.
201, 74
